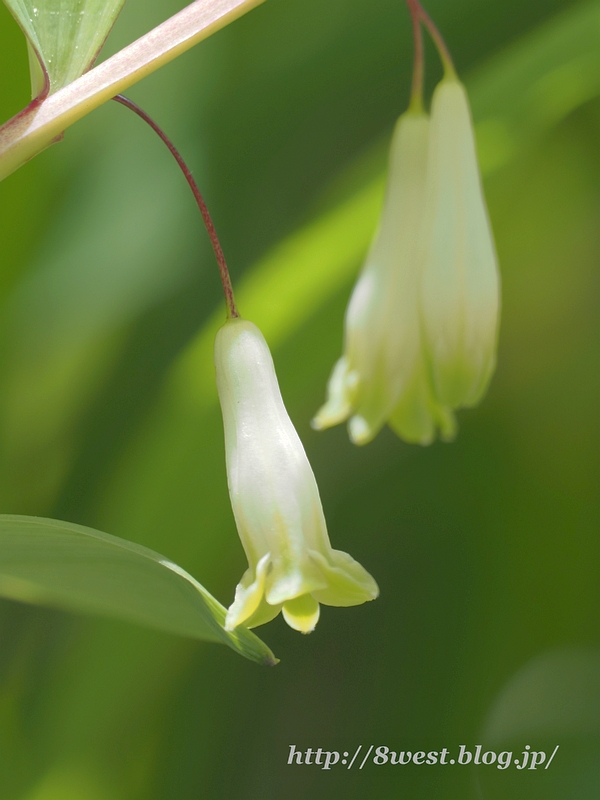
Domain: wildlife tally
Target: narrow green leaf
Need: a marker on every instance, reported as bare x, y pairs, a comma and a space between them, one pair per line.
55, 563
66, 35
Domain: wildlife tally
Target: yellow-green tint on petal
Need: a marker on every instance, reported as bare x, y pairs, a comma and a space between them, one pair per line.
348, 582
293, 576
338, 406
249, 594
460, 282
360, 431
382, 328
301, 613
418, 414
382, 371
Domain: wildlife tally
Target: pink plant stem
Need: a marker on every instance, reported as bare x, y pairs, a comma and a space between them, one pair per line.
418, 12
416, 95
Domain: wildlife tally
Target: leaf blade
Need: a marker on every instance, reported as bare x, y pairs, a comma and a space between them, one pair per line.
51, 562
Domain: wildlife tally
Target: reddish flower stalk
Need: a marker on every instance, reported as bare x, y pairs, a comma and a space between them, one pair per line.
232, 311
419, 15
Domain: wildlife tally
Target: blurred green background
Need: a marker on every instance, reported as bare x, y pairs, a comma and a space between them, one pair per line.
486, 551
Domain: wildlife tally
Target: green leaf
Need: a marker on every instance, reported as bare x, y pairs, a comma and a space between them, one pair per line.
66, 36
55, 563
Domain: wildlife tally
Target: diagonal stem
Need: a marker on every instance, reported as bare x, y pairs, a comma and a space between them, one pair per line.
36, 127
210, 228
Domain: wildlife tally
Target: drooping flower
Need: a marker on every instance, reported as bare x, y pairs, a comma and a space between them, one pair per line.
382, 376
460, 287
274, 495
421, 325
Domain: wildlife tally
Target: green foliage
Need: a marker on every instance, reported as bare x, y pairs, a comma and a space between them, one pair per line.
65, 36
56, 563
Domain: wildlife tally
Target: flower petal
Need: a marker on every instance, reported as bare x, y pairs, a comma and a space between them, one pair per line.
383, 337
301, 613
248, 594
292, 580
250, 606
418, 414
460, 282
337, 407
348, 583
383, 341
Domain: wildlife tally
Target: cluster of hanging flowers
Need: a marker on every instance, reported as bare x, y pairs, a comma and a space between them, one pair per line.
421, 325
420, 336
420, 342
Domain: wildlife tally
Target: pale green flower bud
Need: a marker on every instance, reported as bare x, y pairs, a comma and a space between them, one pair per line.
460, 282
274, 495
382, 376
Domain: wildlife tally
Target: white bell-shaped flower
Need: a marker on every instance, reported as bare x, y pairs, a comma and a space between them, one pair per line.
274, 495
383, 375
460, 287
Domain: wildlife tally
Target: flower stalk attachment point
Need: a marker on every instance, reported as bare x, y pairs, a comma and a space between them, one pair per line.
421, 325
274, 495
